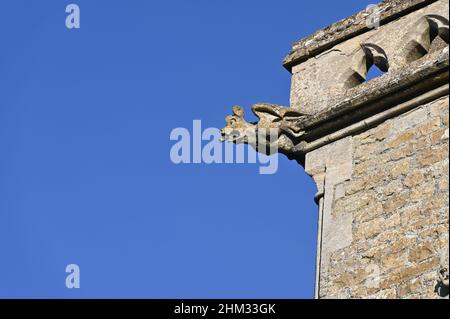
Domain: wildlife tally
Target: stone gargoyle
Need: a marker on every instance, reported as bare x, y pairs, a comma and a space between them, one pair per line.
283, 122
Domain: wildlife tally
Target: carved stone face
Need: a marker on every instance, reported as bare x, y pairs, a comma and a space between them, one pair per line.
237, 130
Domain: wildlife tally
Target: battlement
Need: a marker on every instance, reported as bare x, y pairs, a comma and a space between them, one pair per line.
328, 67
325, 39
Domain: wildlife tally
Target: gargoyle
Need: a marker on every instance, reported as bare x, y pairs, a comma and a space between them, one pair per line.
273, 120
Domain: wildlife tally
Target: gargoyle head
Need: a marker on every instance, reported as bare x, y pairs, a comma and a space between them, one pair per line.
237, 129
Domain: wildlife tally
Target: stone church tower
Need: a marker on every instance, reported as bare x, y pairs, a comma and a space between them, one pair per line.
377, 149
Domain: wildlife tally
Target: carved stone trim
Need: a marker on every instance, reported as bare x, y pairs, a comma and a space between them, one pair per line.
420, 76
368, 56
348, 28
368, 123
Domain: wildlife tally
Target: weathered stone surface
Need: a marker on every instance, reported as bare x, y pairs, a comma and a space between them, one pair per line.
347, 28
396, 195
331, 78
399, 207
377, 151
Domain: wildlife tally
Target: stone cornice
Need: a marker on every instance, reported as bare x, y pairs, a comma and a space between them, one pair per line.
373, 102
348, 28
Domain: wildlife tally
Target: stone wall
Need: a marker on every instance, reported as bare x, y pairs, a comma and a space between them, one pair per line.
386, 227
378, 150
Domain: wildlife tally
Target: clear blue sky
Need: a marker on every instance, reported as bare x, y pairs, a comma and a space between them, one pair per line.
85, 172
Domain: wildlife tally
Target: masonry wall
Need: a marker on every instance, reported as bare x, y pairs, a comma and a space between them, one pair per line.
385, 207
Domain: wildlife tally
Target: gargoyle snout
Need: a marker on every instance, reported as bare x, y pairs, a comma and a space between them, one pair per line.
229, 134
